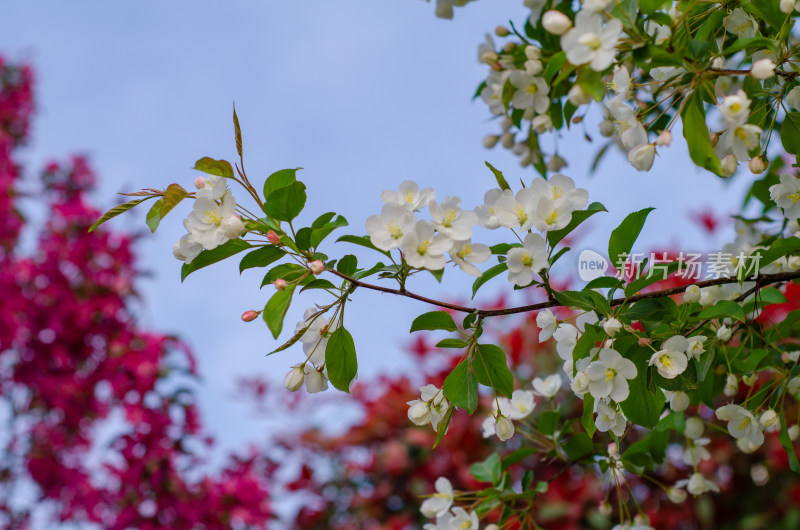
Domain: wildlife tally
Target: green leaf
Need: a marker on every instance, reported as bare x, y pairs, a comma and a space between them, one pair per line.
548, 422
443, 424
695, 131
554, 66
340, 359
321, 231
491, 368
347, 265
280, 179
362, 241
318, 283
172, 196
287, 271
778, 249
115, 211
261, 257
461, 388
578, 217
488, 470
237, 132
674, 421
643, 407
220, 168
790, 133
209, 257
574, 299
749, 363
275, 310
591, 82
787, 444
723, 308
487, 275
623, 237
284, 204
451, 343
587, 418
434, 320
518, 456
501, 181
579, 446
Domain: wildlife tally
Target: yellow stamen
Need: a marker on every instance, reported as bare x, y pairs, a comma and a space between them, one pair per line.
422, 248
558, 191
610, 374
394, 230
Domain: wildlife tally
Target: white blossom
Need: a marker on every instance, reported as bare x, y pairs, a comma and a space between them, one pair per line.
531, 91
630, 130
566, 337
739, 140
609, 419
387, 229
731, 386
315, 338
792, 98
524, 262
210, 187
450, 220
692, 294
724, 333
608, 375
547, 323
547, 387
735, 108
186, 248
592, 42
409, 196
697, 484
315, 380
671, 360
787, 195
462, 519
465, 253
696, 452
423, 249
741, 423
578, 96
695, 346
556, 22
204, 223
763, 69
295, 378
642, 156
612, 326
741, 24
557, 187
521, 404
440, 502
694, 428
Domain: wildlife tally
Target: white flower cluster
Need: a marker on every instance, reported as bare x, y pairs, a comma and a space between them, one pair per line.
315, 329
212, 221
439, 506
545, 205
429, 408
740, 137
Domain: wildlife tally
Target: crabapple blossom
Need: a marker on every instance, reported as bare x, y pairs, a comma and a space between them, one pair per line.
387, 229
592, 42
735, 108
531, 92
315, 380
694, 428
792, 98
524, 262
692, 294
769, 418
566, 337
678, 401
249, 316
697, 484
642, 156
210, 187
486, 214
520, 405
186, 249
696, 452
724, 333
609, 374
731, 386
787, 195
695, 346
578, 96
440, 502
763, 69
741, 423
465, 253
204, 223
295, 378
676, 495
542, 123
741, 24
612, 326
630, 130
423, 249
462, 519
547, 387
504, 428
315, 337
739, 140
232, 226
609, 419
671, 360
547, 323
557, 187
273, 237
449, 219
316, 267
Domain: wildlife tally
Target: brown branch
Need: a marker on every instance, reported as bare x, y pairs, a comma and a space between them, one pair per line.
724, 71
763, 280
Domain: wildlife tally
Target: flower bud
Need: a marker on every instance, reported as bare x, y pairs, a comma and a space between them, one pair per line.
679, 401
273, 238
556, 163
757, 165
787, 6
249, 316
713, 138
729, 165
664, 139
315, 381
542, 123
746, 446
641, 519
490, 140
750, 380
644, 341
556, 22
316, 267
294, 379
793, 263
724, 333
676, 495
578, 96
232, 226
509, 47
420, 412
717, 62
501, 31
769, 418
694, 428
605, 509
731, 386
692, 294
507, 140
607, 128
533, 52
200, 183
612, 326
489, 57
504, 428
794, 432
642, 156
280, 284
763, 69
533, 66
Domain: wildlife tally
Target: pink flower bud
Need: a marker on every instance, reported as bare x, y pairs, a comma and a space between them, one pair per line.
316, 267
249, 316
199, 183
644, 341
273, 237
280, 284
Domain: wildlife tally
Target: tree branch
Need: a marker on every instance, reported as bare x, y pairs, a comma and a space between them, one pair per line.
763, 280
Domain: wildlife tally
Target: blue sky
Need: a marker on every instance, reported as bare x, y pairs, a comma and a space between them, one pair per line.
362, 94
